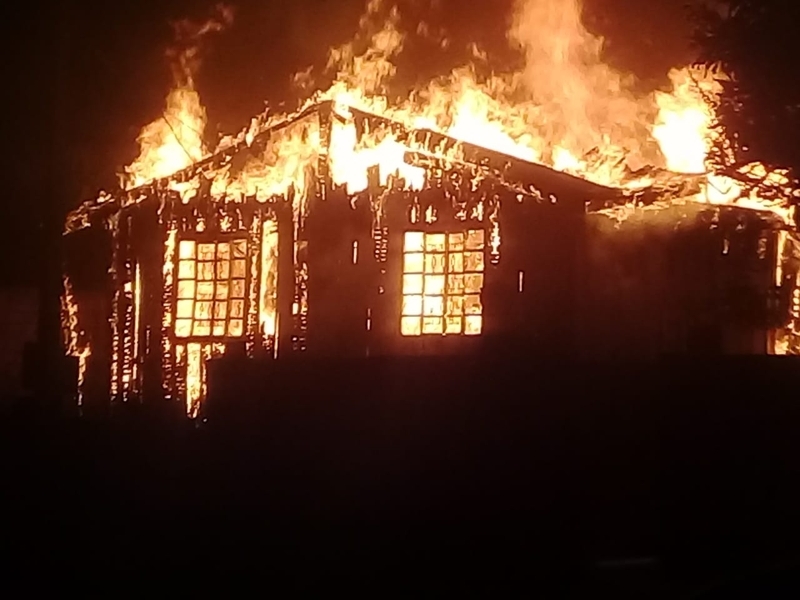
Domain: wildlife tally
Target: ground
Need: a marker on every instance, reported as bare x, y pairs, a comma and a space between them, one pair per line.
686, 478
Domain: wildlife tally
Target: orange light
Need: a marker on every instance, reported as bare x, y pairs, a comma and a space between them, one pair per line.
442, 283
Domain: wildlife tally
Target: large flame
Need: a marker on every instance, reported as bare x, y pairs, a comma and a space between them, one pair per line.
565, 108
175, 140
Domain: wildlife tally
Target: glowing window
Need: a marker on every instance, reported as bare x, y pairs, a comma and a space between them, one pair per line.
211, 289
442, 283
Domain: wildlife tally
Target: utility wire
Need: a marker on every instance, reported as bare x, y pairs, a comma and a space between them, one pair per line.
177, 138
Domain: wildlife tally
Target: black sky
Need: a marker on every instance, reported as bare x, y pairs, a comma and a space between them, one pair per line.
91, 73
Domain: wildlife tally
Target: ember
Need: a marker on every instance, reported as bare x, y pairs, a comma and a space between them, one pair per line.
402, 227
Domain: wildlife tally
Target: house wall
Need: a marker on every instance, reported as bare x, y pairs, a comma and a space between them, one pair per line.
355, 308
682, 280
87, 264
342, 284
533, 303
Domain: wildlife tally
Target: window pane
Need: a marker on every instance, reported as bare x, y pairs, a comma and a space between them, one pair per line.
205, 271
475, 239
239, 268
219, 328
202, 328
202, 310
412, 284
410, 326
434, 285
185, 308
186, 289
239, 249
237, 288
434, 263
414, 241
456, 242
237, 309
455, 305
236, 328
205, 290
435, 242
472, 305
205, 251
473, 283
220, 310
186, 249
183, 327
473, 325
432, 325
222, 290
473, 261
223, 269
433, 306
186, 269
448, 295
456, 263
453, 325
223, 251
413, 263
412, 305
455, 284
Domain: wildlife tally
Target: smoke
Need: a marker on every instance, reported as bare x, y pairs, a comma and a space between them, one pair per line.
184, 55
366, 62
583, 102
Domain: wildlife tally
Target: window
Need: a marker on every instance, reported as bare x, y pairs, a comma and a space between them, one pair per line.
442, 282
211, 289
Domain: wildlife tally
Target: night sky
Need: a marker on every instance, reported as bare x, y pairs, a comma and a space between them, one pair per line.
83, 77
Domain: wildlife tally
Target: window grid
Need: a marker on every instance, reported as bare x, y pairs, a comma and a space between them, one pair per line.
442, 282
211, 289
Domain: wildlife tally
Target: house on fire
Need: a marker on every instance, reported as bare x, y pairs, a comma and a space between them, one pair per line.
483, 253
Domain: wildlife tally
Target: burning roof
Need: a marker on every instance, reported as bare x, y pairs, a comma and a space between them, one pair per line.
415, 151
565, 121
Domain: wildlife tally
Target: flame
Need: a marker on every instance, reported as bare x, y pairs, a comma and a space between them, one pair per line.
565, 108
73, 336
268, 302
683, 126
174, 141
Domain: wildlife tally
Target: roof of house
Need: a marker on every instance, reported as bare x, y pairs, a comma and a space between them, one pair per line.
426, 148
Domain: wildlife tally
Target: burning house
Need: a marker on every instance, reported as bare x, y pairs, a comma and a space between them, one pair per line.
412, 262
341, 232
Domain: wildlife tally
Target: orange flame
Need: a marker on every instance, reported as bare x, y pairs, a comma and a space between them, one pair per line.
566, 109
175, 140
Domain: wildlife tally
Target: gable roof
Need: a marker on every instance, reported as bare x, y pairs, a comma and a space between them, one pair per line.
425, 148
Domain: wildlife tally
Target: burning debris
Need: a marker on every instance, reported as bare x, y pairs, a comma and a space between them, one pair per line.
400, 227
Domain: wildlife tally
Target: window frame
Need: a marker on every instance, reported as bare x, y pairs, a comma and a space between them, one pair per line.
216, 239
447, 273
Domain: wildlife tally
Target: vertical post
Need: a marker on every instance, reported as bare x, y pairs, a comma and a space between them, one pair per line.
286, 278
254, 289
116, 331
168, 350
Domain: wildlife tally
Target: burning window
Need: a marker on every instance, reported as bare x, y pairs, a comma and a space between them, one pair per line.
211, 289
442, 282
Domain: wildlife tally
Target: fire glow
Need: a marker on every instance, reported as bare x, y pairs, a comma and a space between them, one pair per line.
565, 109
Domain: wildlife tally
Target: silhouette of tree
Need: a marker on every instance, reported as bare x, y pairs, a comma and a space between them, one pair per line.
752, 42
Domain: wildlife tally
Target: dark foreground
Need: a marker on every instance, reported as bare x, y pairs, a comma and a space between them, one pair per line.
656, 481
